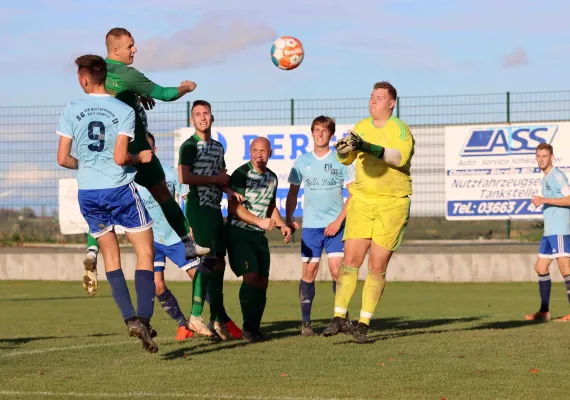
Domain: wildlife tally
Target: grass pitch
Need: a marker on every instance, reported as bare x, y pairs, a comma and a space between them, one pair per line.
433, 341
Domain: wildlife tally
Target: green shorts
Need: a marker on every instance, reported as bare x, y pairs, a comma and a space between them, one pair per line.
248, 251
207, 225
148, 174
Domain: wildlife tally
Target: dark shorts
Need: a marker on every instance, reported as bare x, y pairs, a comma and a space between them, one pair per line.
148, 174
248, 251
207, 225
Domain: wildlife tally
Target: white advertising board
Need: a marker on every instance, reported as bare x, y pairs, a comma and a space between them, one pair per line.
491, 170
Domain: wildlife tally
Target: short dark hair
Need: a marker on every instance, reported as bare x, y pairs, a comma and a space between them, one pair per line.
387, 85
150, 135
93, 66
325, 121
118, 33
545, 146
201, 103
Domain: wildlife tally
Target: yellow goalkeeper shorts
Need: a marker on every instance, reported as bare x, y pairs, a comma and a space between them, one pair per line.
382, 219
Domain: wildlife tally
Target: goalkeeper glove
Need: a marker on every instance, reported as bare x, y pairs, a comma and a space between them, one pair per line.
357, 143
343, 147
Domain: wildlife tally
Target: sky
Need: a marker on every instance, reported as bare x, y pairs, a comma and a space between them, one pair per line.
423, 47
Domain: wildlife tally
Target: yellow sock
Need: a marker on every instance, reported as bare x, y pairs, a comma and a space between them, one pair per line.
371, 293
345, 287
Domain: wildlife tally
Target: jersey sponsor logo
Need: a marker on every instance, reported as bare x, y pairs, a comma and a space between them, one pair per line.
333, 171
503, 141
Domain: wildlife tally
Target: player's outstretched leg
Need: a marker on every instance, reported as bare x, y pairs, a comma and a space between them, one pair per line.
90, 284
544, 286
120, 291
169, 303
176, 219
144, 286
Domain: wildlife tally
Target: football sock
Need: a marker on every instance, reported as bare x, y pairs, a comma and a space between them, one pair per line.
175, 218
544, 285
223, 316
262, 298
334, 287
169, 303
346, 285
215, 291
145, 288
371, 293
250, 298
306, 296
121, 294
92, 244
199, 287
567, 283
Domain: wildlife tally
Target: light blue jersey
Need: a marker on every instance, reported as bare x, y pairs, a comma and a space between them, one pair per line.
556, 219
323, 179
162, 231
94, 123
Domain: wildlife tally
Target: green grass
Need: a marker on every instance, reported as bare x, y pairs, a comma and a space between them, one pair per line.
433, 341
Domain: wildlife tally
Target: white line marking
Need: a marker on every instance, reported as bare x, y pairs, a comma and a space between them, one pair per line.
159, 395
50, 349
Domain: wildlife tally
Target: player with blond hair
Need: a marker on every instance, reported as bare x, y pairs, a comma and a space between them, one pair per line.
378, 212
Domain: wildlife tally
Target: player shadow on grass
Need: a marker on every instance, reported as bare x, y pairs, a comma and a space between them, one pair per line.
54, 298
24, 340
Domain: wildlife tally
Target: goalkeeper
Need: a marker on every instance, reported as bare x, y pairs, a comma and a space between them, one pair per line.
378, 212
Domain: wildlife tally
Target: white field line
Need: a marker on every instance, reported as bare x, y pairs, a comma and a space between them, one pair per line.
51, 349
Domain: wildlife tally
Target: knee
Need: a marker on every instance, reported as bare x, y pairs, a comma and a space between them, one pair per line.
310, 272
251, 279
377, 267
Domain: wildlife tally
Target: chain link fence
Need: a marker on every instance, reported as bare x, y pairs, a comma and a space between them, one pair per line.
28, 144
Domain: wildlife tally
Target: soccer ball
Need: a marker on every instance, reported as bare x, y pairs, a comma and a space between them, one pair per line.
287, 53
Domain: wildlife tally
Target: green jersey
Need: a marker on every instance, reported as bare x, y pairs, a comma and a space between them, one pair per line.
205, 159
128, 84
259, 191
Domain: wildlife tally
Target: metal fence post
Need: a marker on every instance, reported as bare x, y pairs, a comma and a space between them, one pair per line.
508, 227
292, 111
188, 114
398, 107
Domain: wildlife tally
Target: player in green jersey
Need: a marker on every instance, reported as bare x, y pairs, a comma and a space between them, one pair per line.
248, 249
202, 167
128, 85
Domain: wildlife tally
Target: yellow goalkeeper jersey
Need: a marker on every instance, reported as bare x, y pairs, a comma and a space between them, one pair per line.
375, 178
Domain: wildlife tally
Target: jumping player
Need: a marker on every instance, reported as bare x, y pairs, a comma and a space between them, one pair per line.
555, 243
128, 85
324, 211
102, 127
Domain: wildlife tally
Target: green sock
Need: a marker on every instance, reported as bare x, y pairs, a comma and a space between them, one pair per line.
249, 301
199, 287
215, 290
92, 243
175, 217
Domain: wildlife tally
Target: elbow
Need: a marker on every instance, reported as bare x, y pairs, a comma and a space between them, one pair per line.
61, 160
120, 160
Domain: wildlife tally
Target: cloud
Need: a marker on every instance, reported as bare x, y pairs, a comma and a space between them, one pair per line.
515, 59
213, 39
27, 174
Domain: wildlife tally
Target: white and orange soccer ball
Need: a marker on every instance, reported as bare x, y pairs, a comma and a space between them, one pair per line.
287, 53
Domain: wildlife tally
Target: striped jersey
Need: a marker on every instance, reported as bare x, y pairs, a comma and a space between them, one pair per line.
259, 191
205, 159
